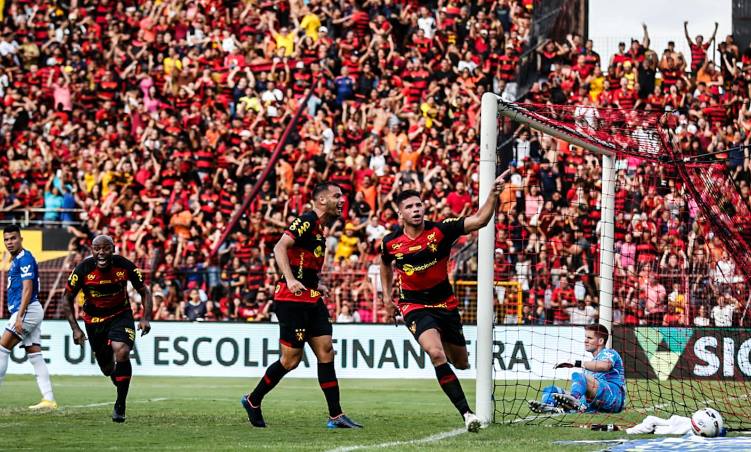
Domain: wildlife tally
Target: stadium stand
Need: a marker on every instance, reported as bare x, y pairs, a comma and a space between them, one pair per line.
155, 119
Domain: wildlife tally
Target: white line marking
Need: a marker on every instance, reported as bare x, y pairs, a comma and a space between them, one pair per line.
428, 439
92, 405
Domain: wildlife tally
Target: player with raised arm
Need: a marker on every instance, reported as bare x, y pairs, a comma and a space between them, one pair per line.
103, 277
420, 250
298, 300
600, 387
25, 324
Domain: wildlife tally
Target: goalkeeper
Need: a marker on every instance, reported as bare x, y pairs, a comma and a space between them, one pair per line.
599, 387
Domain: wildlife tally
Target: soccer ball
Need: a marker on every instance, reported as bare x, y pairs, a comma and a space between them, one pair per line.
707, 422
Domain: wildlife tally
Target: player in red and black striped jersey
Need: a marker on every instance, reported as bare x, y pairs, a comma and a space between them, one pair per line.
420, 252
298, 301
103, 278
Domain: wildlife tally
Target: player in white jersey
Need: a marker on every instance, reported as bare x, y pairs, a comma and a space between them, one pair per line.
25, 324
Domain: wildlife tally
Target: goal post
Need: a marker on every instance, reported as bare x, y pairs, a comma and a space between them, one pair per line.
491, 107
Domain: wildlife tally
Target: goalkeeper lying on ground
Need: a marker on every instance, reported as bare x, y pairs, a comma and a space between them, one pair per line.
600, 387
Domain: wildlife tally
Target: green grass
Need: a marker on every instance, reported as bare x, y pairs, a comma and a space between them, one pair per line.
205, 414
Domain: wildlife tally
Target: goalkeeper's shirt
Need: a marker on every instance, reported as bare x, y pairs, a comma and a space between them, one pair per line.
616, 374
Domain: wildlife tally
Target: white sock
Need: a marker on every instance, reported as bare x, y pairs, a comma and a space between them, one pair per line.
4, 357
42, 374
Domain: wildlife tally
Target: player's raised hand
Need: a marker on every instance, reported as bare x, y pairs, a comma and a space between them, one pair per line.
500, 182
144, 325
295, 286
78, 336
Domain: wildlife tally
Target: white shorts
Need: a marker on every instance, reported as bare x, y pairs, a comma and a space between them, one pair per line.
32, 325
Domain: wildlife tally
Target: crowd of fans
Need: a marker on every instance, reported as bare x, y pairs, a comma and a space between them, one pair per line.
151, 120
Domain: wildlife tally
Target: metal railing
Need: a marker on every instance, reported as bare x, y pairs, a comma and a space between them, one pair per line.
29, 217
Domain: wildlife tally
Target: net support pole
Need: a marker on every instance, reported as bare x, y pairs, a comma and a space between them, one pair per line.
607, 232
485, 255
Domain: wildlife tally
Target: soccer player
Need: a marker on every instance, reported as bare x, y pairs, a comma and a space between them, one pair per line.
25, 324
298, 300
103, 277
600, 387
420, 250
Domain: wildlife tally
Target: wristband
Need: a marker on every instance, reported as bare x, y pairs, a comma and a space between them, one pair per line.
578, 363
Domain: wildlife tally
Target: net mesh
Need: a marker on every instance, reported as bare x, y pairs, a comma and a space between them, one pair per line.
681, 235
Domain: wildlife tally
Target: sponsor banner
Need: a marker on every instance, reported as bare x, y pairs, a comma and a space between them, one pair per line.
362, 351
685, 353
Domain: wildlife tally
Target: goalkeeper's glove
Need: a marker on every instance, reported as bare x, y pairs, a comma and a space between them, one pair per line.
576, 363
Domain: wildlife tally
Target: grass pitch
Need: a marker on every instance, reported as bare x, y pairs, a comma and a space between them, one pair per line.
183, 413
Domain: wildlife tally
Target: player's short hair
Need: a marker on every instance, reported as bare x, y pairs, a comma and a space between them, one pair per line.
322, 187
12, 228
599, 330
406, 194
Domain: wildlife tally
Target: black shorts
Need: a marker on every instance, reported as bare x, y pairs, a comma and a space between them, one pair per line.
298, 322
448, 323
120, 328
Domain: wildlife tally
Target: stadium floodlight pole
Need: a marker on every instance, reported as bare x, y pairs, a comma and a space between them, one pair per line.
485, 263
519, 114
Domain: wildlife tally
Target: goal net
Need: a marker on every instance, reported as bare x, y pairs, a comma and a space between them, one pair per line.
626, 218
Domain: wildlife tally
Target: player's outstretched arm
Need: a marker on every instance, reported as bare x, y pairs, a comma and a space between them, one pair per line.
280, 254
483, 215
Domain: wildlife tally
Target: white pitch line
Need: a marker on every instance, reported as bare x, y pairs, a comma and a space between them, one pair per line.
428, 439
92, 405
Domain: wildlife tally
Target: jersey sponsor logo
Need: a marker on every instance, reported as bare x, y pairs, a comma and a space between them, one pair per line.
73, 279
119, 274
105, 281
410, 269
415, 248
139, 275
277, 288
451, 220
299, 226
396, 246
97, 294
25, 268
318, 252
131, 333
431, 236
90, 276
413, 327
399, 255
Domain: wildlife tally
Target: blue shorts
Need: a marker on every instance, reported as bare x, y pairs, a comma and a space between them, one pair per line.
611, 398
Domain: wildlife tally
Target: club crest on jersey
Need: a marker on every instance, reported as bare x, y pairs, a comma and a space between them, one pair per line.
433, 247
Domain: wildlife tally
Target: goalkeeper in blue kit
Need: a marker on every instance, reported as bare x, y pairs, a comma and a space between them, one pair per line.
599, 387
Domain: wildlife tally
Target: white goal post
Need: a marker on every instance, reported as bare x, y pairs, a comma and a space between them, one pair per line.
492, 105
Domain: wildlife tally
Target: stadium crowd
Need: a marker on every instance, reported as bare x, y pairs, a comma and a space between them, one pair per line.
155, 118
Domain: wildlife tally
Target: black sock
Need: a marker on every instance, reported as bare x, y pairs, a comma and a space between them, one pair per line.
121, 378
274, 373
330, 387
451, 386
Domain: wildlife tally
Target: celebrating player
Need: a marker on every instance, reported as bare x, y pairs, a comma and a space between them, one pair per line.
25, 324
103, 278
600, 387
303, 316
420, 249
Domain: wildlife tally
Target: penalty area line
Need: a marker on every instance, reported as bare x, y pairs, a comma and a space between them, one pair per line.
427, 439
93, 405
